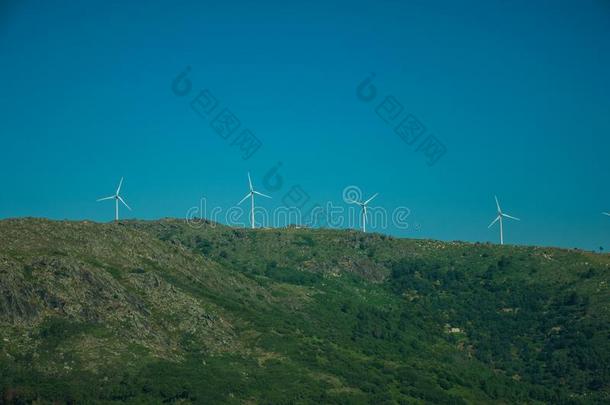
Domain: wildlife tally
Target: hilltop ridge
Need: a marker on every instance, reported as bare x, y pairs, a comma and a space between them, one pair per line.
165, 311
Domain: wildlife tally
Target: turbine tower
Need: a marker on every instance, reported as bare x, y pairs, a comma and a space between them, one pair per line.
364, 206
250, 195
116, 197
500, 216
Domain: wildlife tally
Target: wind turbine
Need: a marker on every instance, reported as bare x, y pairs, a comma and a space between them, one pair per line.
251, 196
116, 197
364, 206
606, 213
500, 216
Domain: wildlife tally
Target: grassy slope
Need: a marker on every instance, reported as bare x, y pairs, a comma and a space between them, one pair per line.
162, 311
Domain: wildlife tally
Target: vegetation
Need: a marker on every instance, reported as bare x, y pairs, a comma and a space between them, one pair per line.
167, 312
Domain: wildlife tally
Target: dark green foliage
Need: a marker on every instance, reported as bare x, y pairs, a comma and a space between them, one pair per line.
291, 276
56, 330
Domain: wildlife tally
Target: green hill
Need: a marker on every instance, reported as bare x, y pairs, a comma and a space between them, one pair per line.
169, 312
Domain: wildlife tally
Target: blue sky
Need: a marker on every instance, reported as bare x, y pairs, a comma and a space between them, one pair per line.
518, 94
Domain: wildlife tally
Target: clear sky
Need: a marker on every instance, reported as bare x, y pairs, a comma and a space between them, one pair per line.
518, 93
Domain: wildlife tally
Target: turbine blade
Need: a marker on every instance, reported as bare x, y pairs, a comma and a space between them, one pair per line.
124, 203
119, 187
371, 199
250, 182
105, 198
494, 221
511, 217
261, 194
498, 204
353, 202
245, 198
606, 213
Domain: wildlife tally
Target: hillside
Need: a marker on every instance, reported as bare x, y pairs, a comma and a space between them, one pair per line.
169, 312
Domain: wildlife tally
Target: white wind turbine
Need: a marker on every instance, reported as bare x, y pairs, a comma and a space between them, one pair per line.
500, 216
364, 206
116, 197
251, 196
